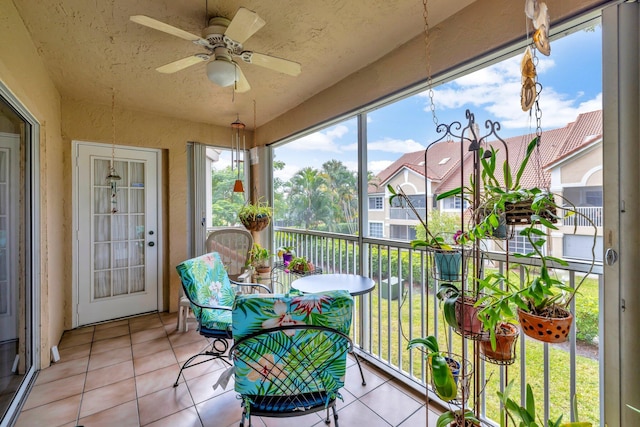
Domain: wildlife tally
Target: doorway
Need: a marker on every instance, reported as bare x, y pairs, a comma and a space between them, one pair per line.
117, 209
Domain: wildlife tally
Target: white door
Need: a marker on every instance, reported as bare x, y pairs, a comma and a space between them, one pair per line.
117, 232
9, 229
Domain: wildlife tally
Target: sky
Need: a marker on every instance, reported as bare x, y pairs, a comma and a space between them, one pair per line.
572, 84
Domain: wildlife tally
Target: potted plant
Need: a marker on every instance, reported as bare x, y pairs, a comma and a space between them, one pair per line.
255, 216
526, 415
444, 369
460, 312
301, 265
447, 256
445, 373
503, 350
260, 260
541, 300
286, 253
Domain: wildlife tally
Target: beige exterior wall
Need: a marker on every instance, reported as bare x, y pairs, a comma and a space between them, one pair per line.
574, 171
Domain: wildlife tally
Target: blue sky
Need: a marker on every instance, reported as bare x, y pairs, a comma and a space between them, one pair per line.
572, 84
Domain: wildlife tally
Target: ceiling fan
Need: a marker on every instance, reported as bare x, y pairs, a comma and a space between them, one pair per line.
223, 41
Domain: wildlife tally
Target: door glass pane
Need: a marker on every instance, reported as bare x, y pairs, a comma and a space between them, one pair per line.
119, 229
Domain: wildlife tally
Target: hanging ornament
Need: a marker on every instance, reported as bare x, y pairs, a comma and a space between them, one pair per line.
237, 136
113, 176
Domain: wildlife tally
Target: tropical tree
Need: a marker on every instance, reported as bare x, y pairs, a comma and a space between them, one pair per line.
225, 203
308, 199
343, 191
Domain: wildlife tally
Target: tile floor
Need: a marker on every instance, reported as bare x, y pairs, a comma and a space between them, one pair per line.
122, 373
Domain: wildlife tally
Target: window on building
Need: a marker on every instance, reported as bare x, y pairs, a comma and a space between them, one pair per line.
584, 196
402, 232
520, 244
376, 229
376, 203
454, 203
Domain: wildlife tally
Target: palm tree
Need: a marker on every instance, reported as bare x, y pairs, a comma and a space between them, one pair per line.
309, 201
343, 185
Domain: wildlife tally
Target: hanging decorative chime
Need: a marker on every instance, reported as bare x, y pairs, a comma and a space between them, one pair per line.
113, 176
237, 137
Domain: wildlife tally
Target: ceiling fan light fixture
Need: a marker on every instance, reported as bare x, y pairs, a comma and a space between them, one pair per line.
221, 72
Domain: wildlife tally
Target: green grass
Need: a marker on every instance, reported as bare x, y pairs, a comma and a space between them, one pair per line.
386, 329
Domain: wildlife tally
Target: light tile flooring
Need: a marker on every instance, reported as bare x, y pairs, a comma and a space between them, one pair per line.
122, 373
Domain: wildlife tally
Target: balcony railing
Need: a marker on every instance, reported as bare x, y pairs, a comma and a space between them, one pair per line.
403, 306
405, 213
593, 213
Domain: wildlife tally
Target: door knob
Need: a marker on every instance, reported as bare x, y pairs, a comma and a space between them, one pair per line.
152, 244
611, 256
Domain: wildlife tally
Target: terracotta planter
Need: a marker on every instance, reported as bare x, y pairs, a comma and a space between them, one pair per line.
546, 329
506, 339
467, 318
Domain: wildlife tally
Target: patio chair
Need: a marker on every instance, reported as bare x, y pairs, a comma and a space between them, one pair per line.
290, 353
233, 245
211, 294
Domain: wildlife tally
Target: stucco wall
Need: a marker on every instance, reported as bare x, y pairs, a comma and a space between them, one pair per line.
92, 122
23, 73
574, 172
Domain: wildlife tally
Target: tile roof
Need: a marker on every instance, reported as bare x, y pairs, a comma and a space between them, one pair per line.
555, 144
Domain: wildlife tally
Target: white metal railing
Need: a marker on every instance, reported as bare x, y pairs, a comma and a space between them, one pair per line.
592, 213
403, 306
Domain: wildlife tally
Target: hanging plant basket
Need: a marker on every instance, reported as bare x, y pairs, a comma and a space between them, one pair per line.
447, 264
460, 376
520, 212
505, 351
469, 325
547, 329
258, 223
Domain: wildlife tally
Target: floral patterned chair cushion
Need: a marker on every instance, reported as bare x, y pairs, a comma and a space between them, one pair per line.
307, 361
206, 284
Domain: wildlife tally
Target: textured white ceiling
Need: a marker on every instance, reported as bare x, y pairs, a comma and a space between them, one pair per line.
90, 46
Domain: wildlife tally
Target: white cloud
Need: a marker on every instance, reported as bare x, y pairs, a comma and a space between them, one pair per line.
391, 145
378, 166
321, 141
287, 172
338, 131
497, 90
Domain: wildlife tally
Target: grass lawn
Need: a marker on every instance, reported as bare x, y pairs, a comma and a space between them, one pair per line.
389, 344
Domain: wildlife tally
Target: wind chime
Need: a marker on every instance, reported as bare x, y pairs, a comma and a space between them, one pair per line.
237, 137
113, 176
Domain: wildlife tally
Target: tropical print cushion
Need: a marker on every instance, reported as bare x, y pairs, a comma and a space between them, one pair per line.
206, 282
259, 369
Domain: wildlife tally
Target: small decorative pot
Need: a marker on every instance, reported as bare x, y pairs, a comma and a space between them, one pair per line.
467, 318
448, 265
505, 352
546, 329
286, 258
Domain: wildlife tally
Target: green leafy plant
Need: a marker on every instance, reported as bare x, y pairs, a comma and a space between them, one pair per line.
255, 212
526, 415
301, 265
259, 257
443, 380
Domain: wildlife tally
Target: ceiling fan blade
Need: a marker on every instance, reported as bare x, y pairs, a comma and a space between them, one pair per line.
244, 25
242, 84
277, 64
183, 63
161, 26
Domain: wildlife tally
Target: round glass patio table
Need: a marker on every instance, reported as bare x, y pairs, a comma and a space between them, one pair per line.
355, 284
